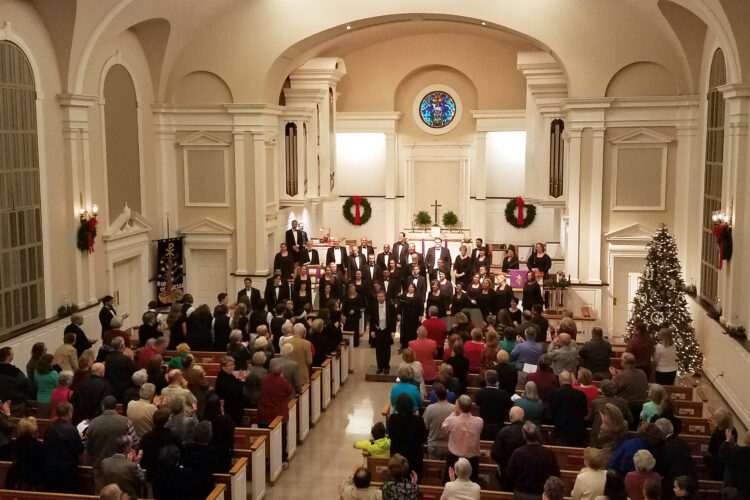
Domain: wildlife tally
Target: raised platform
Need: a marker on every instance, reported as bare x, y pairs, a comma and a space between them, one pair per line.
371, 375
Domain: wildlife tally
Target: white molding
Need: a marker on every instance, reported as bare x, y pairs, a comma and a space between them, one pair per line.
642, 139
204, 141
634, 234
128, 223
207, 226
437, 87
499, 120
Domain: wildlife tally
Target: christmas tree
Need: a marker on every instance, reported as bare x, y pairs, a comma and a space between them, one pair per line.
660, 301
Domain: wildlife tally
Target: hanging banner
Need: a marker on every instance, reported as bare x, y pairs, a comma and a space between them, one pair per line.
169, 270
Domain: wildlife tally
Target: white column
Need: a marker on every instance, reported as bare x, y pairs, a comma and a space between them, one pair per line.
240, 233
687, 211
736, 192
478, 225
595, 212
391, 178
261, 250
300, 150
574, 194
166, 179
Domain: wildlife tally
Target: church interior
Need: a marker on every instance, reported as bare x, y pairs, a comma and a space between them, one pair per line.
218, 123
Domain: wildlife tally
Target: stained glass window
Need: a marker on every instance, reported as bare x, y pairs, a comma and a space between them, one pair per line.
437, 109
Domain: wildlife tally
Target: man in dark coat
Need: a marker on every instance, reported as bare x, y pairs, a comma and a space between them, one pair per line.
120, 368
293, 240
276, 290
82, 342
508, 440
674, 459
309, 256
62, 448
89, 393
252, 293
14, 386
569, 409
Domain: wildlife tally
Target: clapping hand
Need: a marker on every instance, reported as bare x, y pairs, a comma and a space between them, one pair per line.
6, 407
519, 339
728, 434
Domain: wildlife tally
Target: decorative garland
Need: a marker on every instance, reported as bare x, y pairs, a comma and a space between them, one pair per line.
723, 235
519, 219
86, 234
357, 219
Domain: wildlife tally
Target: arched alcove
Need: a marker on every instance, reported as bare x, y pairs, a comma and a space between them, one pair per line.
121, 136
202, 87
642, 79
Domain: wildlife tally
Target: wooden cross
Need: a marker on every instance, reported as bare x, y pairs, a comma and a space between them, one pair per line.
435, 206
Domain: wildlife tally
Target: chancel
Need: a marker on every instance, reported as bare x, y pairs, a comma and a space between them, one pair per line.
374, 249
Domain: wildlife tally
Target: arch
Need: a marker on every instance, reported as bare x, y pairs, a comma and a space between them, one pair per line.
153, 35
298, 53
202, 87
122, 142
642, 78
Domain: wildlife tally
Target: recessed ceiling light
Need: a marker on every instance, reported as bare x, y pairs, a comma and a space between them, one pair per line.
484, 24
348, 27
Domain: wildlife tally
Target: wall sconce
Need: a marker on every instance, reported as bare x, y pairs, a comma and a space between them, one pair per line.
326, 236
720, 217
83, 214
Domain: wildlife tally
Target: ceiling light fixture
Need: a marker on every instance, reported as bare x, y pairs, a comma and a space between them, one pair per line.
484, 23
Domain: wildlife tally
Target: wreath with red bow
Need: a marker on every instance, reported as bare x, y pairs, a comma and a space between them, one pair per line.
723, 235
86, 234
362, 210
515, 215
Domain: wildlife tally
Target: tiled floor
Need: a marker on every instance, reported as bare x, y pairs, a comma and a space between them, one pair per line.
327, 456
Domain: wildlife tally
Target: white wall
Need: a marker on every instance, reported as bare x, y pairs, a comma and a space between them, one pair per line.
360, 164
506, 163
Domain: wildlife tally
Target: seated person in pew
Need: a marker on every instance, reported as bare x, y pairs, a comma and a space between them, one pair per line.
461, 486
434, 416
379, 445
402, 482
508, 440
590, 481
464, 432
554, 489
358, 487
530, 465
123, 468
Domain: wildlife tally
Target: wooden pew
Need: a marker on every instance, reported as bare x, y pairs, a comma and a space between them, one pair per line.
350, 337
244, 438
219, 493
303, 412
315, 395
291, 430
335, 358
325, 383
255, 453
200, 356
345, 348
235, 481
35, 495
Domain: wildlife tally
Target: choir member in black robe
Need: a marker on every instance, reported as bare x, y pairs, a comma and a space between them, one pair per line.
411, 311
463, 267
539, 261
460, 300
532, 292
503, 294
511, 259
284, 260
437, 299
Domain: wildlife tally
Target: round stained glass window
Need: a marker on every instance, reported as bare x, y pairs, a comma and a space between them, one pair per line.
437, 109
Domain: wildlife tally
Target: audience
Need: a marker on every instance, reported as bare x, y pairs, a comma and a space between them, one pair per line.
290, 368
569, 408
507, 375
358, 487
222, 432
405, 386
584, 383
631, 384
28, 457
636, 480
737, 459
155, 440
302, 353
196, 383
613, 430
675, 458
199, 457
61, 393
590, 481
685, 487
464, 432
407, 432
529, 402
103, 431
273, 402
255, 373
614, 487
181, 423
656, 394
508, 440
177, 388
563, 354
425, 352
434, 415
461, 487
237, 351
493, 403
528, 350
66, 356
554, 489
595, 354
120, 367
141, 412
62, 449
530, 465
379, 445
546, 382
641, 348
417, 371
123, 469
89, 394
401, 484
607, 389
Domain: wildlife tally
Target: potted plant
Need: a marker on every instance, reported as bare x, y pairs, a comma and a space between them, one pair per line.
450, 219
422, 219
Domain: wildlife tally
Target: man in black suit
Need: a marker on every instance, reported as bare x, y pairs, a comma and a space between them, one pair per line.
276, 290
82, 342
252, 293
400, 249
371, 272
89, 393
294, 240
413, 257
63, 448
383, 259
337, 254
569, 409
356, 263
436, 253
391, 285
107, 312
420, 283
303, 234
674, 459
309, 256
365, 249
382, 328
120, 368
475, 252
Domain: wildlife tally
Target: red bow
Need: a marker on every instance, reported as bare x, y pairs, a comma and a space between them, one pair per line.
519, 204
92, 228
718, 234
357, 200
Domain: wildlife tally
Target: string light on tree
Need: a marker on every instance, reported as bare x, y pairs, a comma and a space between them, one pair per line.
660, 301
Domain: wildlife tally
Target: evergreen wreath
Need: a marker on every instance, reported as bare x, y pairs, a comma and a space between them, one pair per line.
366, 211
86, 234
512, 217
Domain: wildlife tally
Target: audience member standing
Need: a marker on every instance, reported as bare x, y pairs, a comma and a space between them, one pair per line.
530, 465
302, 353
14, 386
230, 389
493, 403
508, 440
569, 409
631, 384
595, 354
408, 433
665, 358
590, 481
434, 416
123, 469
461, 487
66, 357
464, 432
102, 433
425, 351
642, 348
89, 394
120, 367
82, 342
62, 448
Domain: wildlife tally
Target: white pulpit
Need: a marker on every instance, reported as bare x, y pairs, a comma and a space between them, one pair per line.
424, 240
